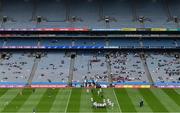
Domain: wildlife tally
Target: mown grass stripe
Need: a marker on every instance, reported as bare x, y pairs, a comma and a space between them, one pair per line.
61, 101
124, 100
98, 99
166, 100
152, 101
18, 101
109, 93
135, 97
47, 100
8, 97
178, 91
32, 101
3, 91
74, 102
173, 95
69, 96
116, 102
85, 104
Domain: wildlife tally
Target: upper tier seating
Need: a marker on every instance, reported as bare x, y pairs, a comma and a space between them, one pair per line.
88, 14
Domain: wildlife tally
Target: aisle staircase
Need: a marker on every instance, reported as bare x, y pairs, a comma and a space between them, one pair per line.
33, 71
148, 74
71, 69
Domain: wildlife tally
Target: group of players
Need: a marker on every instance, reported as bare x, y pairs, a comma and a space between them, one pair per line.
105, 103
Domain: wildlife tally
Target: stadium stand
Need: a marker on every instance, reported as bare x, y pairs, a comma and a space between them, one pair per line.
101, 26
83, 56
90, 42
127, 67
56, 42
178, 42
1, 42
89, 14
164, 67
124, 42
87, 42
159, 43
16, 67
52, 67
21, 42
91, 67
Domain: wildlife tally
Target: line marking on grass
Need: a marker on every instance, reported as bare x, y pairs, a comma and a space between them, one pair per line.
68, 101
95, 112
117, 101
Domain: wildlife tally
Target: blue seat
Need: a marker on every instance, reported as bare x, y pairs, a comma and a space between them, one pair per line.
56, 42
1, 42
158, 43
124, 42
90, 42
21, 42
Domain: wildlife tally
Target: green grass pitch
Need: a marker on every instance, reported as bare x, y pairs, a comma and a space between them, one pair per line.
77, 100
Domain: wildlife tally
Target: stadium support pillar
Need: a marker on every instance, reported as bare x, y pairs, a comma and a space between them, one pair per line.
101, 10
134, 12
67, 10
141, 43
34, 10
71, 69
107, 42
39, 43
4, 43
167, 9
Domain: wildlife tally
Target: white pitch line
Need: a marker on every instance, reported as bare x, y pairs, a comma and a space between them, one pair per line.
117, 101
92, 112
68, 102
